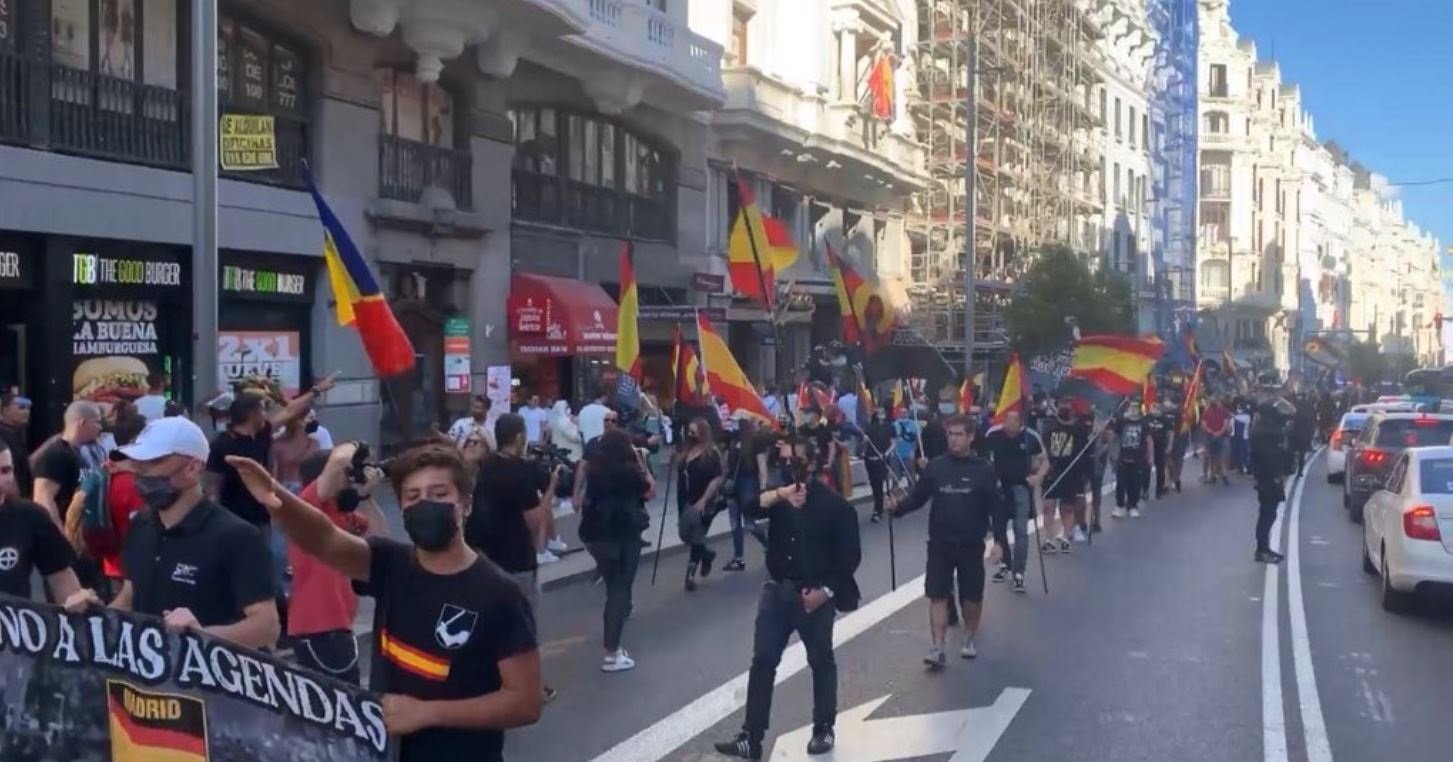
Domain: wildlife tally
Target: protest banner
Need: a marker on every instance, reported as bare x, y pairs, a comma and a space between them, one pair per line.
111, 685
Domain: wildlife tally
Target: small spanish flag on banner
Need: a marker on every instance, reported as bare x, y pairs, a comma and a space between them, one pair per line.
1116, 364
412, 660
360, 302
155, 727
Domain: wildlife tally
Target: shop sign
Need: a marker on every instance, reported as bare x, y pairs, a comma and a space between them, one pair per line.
457, 368
531, 317
116, 343
244, 280
96, 270
274, 355
248, 142
680, 313
708, 283
14, 268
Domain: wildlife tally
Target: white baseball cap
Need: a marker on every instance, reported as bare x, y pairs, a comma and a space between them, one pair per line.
169, 436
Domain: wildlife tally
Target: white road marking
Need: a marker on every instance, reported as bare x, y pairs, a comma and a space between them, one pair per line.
672, 731
1273, 717
1314, 725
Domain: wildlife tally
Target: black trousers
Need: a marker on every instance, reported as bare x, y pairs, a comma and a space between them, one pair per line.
779, 614
1161, 466
1268, 498
1097, 489
617, 562
877, 480
1127, 484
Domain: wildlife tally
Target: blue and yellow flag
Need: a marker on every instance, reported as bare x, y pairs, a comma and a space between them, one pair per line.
360, 302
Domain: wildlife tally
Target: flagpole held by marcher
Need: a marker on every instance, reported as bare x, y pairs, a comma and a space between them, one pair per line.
665, 506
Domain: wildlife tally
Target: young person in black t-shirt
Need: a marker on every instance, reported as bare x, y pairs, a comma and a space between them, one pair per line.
455, 650
30, 541
1019, 460
187, 559
58, 467
1066, 438
1134, 437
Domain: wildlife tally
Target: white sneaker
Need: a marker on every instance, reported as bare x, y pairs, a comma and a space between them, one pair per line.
1079, 535
566, 505
1118, 513
1134, 513
546, 557
969, 651
620, 661
556, 545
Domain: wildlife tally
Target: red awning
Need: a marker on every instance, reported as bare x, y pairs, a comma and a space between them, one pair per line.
553, 317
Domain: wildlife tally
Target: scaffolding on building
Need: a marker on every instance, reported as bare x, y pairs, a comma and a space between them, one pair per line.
1035, 165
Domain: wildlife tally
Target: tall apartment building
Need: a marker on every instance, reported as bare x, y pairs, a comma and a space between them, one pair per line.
1294, 238
476, 152
815, 123
1085, 124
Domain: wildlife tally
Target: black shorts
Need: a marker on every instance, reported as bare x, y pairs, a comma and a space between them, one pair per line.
1068, 488
947, 560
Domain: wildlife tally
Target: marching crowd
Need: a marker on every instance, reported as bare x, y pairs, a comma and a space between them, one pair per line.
265, 532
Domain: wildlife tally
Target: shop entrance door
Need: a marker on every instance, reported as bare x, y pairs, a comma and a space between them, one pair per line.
13, 349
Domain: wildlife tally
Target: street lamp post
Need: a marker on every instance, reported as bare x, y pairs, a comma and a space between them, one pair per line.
204, 200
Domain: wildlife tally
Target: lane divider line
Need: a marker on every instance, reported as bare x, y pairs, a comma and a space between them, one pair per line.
1273, 715
1314, 724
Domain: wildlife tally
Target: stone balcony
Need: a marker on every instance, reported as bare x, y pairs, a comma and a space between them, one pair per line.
835, 145
644, 49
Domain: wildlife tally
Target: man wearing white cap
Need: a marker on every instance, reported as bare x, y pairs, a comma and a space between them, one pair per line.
187, 559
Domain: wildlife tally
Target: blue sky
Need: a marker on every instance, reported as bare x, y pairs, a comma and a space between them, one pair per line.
1377, 75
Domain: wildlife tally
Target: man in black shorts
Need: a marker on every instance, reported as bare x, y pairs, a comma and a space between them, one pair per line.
964, 490
1065, 444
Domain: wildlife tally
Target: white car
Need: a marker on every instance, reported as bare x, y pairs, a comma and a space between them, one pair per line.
1342, 438
1408, 526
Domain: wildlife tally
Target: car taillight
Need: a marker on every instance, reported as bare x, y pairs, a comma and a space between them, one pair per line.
1421, 523
1373, 457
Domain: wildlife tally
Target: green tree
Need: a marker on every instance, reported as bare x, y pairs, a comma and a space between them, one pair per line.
1060, 285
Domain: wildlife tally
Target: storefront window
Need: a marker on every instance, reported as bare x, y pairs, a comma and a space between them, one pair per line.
612, 180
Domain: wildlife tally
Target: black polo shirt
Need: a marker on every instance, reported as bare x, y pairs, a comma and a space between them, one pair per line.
212, 562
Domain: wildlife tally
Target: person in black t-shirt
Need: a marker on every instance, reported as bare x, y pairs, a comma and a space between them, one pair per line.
1066, 440
1134, 437
30, 541
1158, 424
699, 476
456, 655
1021, 465
186, 559
58, 467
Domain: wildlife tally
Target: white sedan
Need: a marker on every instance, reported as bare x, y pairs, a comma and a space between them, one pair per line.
1342, 438
1408, 527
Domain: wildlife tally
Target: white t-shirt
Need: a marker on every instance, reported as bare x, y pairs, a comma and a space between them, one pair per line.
152, 407
323, 437
848, 403
535, 420
592, 421
467, 428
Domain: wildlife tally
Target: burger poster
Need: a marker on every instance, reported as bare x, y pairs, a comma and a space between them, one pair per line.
116, 343
268, 354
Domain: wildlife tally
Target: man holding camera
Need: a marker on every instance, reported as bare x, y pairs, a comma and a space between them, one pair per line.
323, 605
812, 552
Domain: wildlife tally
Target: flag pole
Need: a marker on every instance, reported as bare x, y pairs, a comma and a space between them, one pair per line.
665, 505
762, 283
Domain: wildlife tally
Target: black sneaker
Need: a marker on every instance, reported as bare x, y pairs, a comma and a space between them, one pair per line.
822, 742
706, 562
736, 564
1019, 583
741, 747
1002, 574
1269, 557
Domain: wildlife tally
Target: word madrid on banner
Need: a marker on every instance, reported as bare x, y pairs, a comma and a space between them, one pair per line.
110, 685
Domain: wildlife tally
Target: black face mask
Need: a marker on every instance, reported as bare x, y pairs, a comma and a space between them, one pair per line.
157, 492
430, 524
1064, 414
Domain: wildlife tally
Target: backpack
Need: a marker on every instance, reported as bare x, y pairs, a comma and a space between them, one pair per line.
88, 519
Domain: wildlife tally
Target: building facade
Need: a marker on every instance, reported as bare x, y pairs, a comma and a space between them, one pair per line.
460, 144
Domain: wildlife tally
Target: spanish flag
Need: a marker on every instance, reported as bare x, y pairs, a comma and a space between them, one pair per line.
758, 247
628, 335
880, 87
897, 407
865, 316
360, 302
1190, 411
411, 659
1116, 364
725, 376
687, 370
966, 396
1147, 394
155, 727
1011, 396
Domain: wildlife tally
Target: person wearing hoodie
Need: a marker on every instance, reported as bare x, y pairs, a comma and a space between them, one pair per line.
962, 490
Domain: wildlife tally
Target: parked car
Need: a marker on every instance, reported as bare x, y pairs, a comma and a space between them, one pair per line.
1408, 532
1342, 438
1384, 437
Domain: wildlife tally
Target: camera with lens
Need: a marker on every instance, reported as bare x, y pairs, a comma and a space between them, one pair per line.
351, 497
549, 458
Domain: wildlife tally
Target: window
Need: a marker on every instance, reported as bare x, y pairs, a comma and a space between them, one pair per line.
1103, 179
1119, 197
1129, 185
1214, 224
1217, 123
128, 40
1215, 180
260, 73
416, 140
738, 48
1102, 106
412, 110
1215, 276
659, 5
1117, 119
587, 172
1145, 131
1132, 126
1218, 81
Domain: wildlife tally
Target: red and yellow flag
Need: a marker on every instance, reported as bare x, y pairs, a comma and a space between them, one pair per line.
1011, 396
1116, 364
759, 246
360, 302
866, 319
1190, 411
411, 659
628, 334
966, 396
687, 370
725, 376
1147, 395
880, 87
155, 727
898, 406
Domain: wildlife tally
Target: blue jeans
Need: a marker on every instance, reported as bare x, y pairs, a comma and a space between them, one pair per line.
748, 490
1018, 505
277, 544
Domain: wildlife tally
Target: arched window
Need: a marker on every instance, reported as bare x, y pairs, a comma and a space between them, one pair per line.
588, 172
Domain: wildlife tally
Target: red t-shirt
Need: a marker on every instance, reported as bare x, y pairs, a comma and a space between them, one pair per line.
322, 599
123, 501
1215, 418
